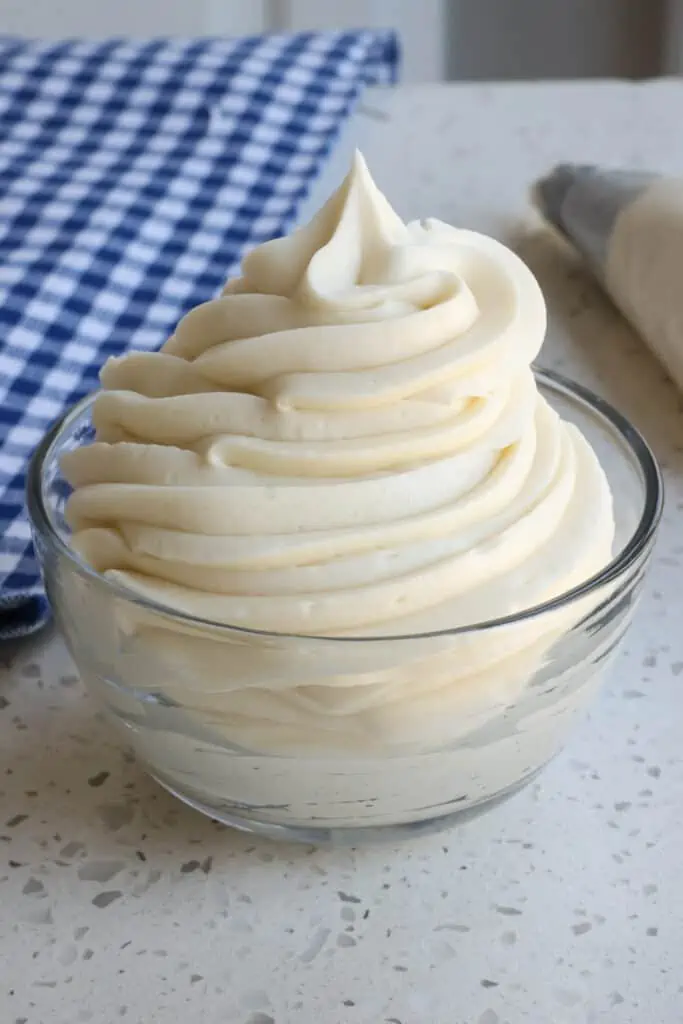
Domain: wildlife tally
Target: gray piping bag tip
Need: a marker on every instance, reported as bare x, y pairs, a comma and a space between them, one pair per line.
583, 203
548, 194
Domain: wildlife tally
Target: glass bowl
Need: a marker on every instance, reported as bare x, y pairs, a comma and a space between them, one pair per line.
325, 740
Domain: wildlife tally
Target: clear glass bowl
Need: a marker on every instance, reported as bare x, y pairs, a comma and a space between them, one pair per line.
315, 739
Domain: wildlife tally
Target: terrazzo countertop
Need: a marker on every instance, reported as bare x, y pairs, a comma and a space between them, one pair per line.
564, 906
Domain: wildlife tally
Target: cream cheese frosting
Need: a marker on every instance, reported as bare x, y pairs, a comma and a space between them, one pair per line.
346, 455
347, 442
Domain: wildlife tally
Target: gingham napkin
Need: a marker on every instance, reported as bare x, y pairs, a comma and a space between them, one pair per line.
133, 176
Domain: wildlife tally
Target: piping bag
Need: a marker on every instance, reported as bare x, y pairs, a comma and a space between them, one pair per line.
628, 226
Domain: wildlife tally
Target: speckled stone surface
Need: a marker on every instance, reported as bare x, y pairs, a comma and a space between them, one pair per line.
564, 906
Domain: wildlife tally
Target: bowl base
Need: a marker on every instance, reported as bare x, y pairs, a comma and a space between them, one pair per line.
345, 836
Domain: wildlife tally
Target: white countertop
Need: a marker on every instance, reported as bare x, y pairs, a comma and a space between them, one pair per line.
564, 906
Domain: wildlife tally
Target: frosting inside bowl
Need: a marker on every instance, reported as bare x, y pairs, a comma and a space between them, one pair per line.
347, 442
347, 445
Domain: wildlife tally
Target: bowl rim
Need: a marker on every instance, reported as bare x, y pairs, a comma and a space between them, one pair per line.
599, 408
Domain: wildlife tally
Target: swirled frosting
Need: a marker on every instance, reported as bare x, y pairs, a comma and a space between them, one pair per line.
348, 441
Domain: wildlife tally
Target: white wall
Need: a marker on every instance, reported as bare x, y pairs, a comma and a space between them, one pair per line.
136, 18
420, 22
93, 17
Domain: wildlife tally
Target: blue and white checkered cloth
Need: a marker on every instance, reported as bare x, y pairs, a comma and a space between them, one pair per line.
133, 176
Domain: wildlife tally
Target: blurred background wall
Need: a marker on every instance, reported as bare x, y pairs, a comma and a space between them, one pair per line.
556, 39
442, 39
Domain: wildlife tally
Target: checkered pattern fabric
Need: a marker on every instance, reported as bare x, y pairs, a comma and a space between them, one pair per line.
133, 176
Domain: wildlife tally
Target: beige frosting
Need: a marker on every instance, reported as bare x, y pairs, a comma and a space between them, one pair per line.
348, 441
